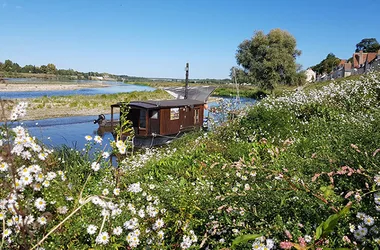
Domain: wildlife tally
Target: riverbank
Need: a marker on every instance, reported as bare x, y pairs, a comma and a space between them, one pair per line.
76, 105
48, 86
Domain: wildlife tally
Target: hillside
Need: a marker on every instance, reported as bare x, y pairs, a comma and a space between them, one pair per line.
300, 170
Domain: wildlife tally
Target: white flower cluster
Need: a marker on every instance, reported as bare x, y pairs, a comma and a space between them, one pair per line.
19, 111
263, 244
188, 240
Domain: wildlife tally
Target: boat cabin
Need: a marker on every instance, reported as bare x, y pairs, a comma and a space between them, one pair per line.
163, 118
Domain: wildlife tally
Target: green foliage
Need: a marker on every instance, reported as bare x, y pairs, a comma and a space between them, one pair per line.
269, 60
327, 64
368, 45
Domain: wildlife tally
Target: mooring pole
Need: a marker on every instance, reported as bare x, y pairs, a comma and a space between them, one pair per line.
187, 81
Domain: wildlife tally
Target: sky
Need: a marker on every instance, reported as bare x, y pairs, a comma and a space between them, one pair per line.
156, 38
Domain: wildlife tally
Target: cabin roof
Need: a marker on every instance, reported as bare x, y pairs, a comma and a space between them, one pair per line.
161, 103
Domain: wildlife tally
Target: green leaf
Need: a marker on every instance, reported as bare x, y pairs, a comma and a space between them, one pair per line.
243, 239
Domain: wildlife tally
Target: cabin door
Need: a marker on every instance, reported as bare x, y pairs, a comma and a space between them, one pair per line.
154, 124
186, 117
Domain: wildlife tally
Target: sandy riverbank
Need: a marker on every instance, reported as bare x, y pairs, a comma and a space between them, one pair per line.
17, 87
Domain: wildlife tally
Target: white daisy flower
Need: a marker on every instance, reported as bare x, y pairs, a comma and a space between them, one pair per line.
102, 238
116, 191
95, 166
98, 139
40, 204
117, 231
42, 220
88, 137
91, 229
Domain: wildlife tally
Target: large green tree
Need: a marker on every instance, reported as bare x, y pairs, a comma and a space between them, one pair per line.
270, 59
368, 45
327, 64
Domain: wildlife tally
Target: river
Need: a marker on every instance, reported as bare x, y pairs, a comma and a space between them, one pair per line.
112, 88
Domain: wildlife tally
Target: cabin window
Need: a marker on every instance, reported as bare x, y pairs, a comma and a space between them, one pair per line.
196, 116
174, 113
142, 119
154, 114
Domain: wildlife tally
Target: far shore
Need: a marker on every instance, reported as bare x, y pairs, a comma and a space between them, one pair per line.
18, 87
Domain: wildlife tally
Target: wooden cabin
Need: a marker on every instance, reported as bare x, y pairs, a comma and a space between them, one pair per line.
163, 118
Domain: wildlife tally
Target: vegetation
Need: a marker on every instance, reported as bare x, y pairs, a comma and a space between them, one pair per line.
60, 106
326, 65
12, 69
368, 45
299, 171
268, 60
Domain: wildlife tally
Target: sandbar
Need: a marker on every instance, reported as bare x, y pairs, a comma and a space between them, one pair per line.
18, 87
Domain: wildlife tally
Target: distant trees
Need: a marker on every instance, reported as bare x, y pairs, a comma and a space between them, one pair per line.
269, 59
327, 64
368, 45
10, 67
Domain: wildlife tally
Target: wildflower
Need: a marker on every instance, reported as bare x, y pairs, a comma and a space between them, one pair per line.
116, 191
98, 139
42, 220
4, 166
2, 215
308, 238
360, 215
160, 234
51, 176
42, 156
368, 220
141, 213
105, 155
46, 183
135, 188
7, 232
62, 210
158, 224
117, 231
102, 238
352, 228
88, 137
91, 229
105, 192
40, 204
95, 166
27, 179
377, 180
286, 245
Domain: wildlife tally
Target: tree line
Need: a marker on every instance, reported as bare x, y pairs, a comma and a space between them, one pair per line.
12, 67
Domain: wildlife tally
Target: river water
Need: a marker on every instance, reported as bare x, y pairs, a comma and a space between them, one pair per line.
112, 88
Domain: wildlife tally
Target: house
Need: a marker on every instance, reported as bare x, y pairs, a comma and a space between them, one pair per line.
361, 59
310, 75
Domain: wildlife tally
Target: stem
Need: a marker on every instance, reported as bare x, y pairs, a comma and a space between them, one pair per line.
81, 192
2, 239
60, 224
101, 228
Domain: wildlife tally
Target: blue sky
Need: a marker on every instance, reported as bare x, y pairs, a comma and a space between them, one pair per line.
155, 38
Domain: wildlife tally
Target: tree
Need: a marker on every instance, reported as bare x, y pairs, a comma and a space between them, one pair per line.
44, 69
7, 66
51, 68
268, 60
327, 64
368, 45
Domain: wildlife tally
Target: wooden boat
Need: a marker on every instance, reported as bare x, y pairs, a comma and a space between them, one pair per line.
158, 122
